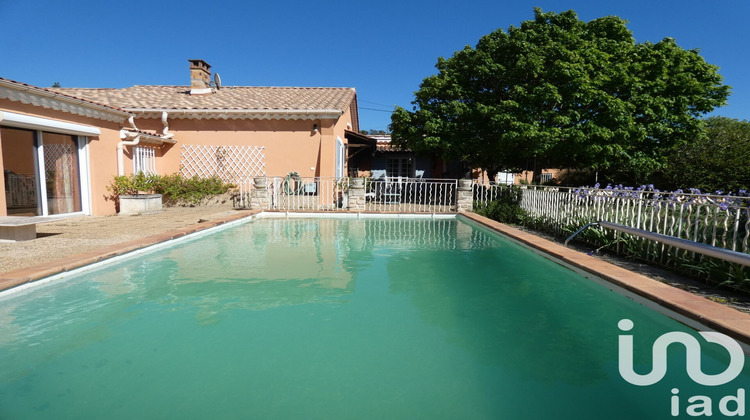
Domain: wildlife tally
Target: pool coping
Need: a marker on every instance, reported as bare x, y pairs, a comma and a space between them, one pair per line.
714, 315
21, 276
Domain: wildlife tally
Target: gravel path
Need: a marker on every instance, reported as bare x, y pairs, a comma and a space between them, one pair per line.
71, 236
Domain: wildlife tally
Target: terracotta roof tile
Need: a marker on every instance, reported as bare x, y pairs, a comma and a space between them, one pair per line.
387, 147
228, 98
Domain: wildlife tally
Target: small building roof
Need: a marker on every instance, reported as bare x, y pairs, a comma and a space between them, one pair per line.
354, 138
229, 102
384, 144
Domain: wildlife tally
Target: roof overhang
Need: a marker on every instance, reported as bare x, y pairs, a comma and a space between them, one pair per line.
29, 122
240, 114
359, 140
32, 95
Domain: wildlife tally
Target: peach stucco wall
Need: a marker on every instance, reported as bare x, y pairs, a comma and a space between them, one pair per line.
101, 149
289, 145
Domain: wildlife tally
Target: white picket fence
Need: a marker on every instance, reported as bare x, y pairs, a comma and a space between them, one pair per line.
403, 195
718, 220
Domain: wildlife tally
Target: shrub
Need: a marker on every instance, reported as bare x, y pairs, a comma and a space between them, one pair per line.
506, 208
175, 187
133, 184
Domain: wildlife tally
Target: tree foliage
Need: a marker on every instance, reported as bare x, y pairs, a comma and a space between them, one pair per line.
373, 132
717, 161
570, 93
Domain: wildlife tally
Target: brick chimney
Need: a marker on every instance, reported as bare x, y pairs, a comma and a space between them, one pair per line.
200, 77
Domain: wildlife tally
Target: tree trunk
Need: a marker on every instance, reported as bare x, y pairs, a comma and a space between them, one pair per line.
536, 176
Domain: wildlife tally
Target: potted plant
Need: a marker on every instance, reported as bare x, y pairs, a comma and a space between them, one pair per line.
260, 182
357, 182
465, 183
134, 194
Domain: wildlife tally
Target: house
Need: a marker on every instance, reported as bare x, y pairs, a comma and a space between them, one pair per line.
526, 177
67, 144
389, 160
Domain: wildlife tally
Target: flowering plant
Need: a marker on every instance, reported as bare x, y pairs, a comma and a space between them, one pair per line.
693, 196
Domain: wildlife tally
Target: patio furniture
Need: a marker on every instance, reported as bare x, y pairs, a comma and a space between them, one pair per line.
391, 192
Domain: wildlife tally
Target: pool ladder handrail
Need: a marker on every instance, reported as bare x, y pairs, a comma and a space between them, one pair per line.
701, 248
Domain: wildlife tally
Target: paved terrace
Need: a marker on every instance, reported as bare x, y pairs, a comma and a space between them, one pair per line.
68, 243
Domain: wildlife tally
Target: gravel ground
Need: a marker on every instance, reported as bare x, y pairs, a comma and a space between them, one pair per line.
71, 236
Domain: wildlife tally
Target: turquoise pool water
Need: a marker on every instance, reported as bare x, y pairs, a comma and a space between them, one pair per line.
332, 318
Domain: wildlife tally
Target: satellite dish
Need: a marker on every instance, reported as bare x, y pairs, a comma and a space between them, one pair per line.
217, 81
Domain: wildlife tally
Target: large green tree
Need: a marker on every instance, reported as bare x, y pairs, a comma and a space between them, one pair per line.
717, 161
563, 92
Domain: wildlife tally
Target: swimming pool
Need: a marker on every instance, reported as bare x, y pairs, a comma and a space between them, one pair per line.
336, 318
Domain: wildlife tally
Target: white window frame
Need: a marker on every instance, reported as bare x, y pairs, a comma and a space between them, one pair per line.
84, 171
340, 163
84, 175
505, 178
404, 164
80, 134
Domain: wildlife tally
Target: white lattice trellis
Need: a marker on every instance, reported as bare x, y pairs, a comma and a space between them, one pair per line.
227, 162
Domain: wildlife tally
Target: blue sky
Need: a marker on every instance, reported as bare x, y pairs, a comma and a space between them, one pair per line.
382, 48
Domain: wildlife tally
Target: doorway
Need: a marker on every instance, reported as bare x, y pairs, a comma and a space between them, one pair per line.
40, 164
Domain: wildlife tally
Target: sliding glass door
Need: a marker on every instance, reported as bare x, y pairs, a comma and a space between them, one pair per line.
61, 170
19, 172
40, 164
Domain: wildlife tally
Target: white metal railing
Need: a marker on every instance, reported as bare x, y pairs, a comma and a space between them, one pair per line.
712, 251
307, 194
243, 198
144, 160
717, 220
411, 195
293, 193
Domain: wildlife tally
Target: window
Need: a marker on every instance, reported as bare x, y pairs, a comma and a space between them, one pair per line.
399, 167
144, 160
505, 178
545, 178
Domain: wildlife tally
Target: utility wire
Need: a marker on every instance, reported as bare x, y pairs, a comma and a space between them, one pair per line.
370, 102
374, 109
